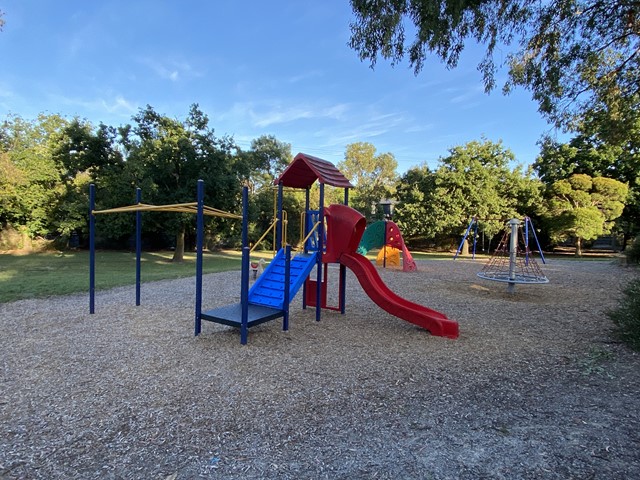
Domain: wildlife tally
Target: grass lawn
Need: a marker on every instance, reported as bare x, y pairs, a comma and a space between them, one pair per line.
60, 273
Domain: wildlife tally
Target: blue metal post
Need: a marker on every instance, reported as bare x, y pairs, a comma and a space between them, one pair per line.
245, 216
244, 297
138, 244
304, 247
537, 242
466, 234
244, 278
475, 239
319, 253
278, 244
199, 247
287, 287
343, 270
92, 248
526, 241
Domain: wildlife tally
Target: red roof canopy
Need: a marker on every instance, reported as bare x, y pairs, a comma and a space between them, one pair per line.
305, 169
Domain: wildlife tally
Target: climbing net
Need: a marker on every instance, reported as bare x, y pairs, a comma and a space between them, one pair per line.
509, 266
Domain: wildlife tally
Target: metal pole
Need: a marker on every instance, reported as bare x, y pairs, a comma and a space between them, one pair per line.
513, 254
92, 248
278, 244
138, 244
244, 278
287, 287
343, 270
526, 241
199, 246
466, 234
319, 253
536, 239
304, 247
475, 238
384, 245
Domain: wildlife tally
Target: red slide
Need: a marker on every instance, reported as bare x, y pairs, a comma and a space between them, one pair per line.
437, 323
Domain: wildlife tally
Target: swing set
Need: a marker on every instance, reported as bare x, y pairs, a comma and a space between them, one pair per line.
473, 225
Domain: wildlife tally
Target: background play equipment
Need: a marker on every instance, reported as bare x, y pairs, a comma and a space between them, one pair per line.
472, 224
386, 233
389, 257
512, 262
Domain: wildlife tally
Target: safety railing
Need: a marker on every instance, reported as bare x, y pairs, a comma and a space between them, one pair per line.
273, 227
311, 232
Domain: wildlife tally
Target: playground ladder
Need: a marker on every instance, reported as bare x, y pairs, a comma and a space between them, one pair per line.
268, 290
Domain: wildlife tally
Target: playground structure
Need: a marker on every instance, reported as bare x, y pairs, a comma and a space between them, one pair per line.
512, 262
386, 236
332, 235
198, 208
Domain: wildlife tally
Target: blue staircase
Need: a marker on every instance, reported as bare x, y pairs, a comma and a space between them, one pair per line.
268, 290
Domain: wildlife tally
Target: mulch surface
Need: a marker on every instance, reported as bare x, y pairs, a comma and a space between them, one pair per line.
535, 387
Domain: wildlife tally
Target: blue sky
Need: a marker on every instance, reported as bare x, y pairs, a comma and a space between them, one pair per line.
279, 68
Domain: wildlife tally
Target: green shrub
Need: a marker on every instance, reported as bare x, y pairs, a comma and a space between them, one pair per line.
626, 316
633, 252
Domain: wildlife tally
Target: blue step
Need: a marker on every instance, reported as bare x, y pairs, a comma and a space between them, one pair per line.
268, 290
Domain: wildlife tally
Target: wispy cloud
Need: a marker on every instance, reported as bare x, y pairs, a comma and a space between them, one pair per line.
119, 105
366, 125
115, 105
6, 92
280, 115
266, 114
171, 69
301, 77
466, 95
418, 128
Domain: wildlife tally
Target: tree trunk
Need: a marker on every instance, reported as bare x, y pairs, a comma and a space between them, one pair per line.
178, 253
27, 245
465, 248
578, 247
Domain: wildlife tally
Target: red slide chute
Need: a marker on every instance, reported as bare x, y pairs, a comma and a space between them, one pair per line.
437, 323
344, 230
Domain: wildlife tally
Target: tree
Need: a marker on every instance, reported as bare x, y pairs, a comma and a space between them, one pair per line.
86, 154
265, 161
267, 158
30, 179
167, 157
576, 57
474, 180
582, 154
373, 176
412, 210
587, 155
583, 207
